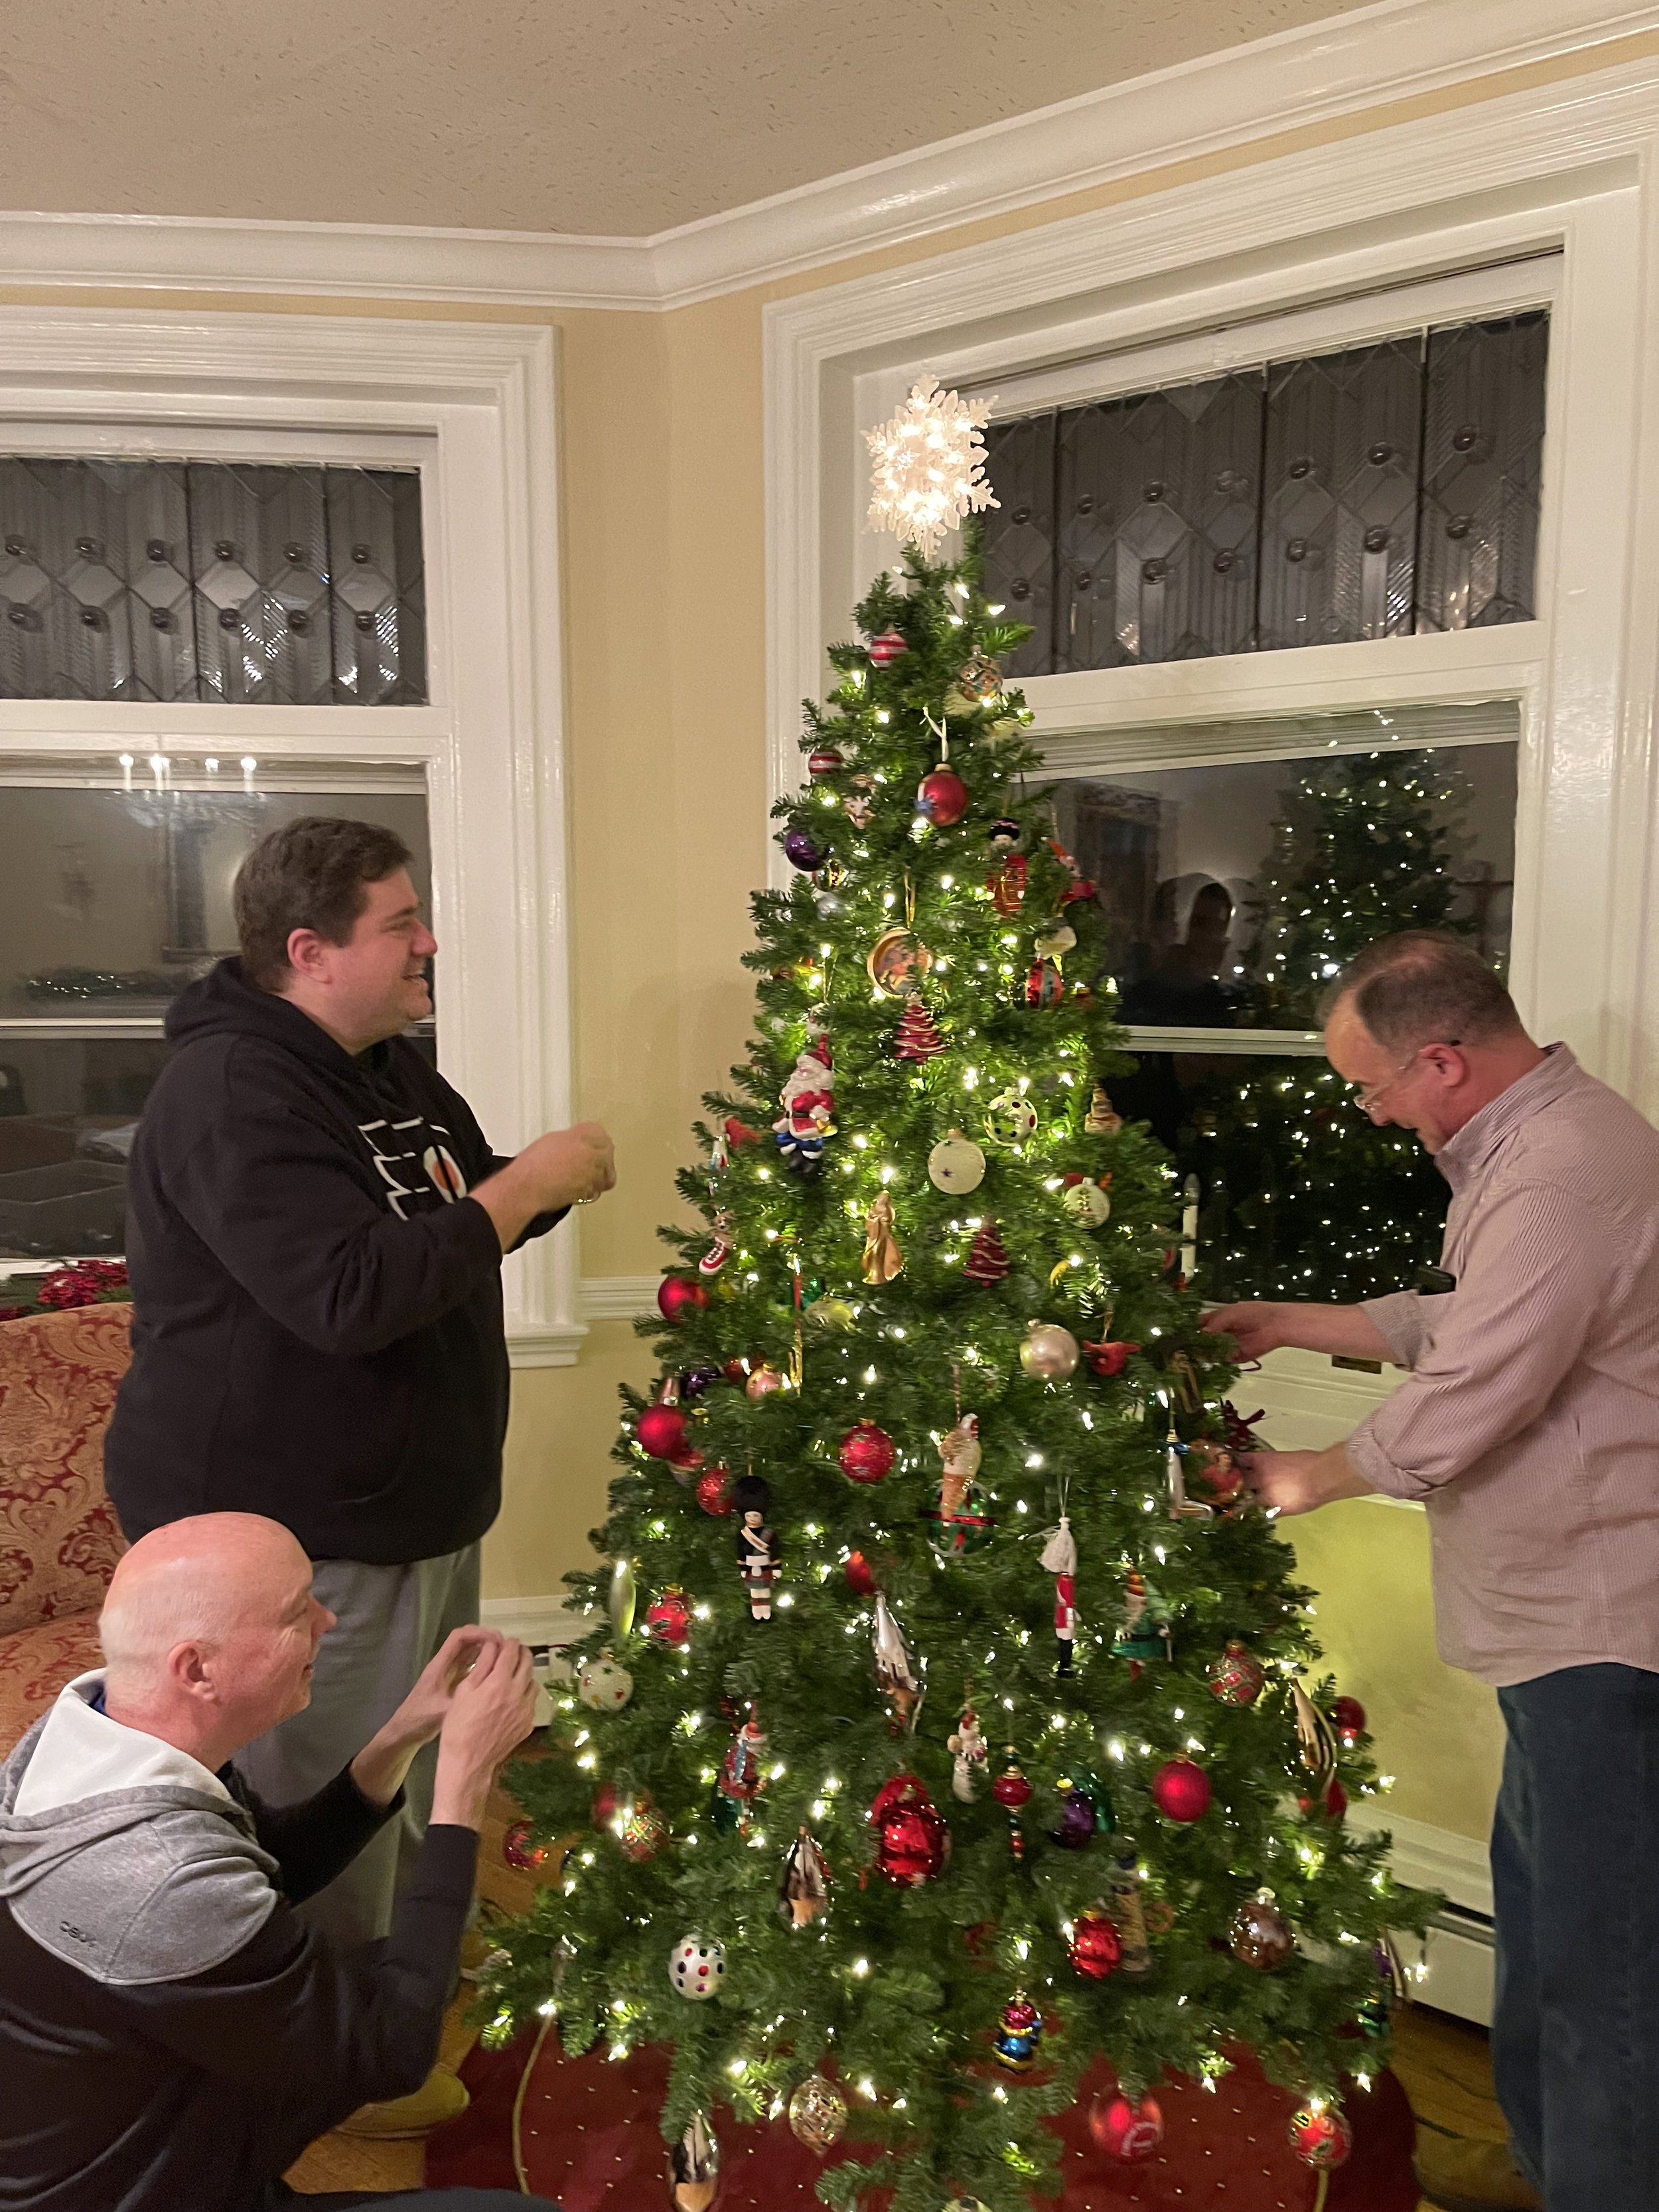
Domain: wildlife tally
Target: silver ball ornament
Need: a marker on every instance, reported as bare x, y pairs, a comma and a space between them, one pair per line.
1049, 1352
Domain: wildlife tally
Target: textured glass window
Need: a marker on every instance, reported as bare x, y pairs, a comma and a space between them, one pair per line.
1374, 492
212, 580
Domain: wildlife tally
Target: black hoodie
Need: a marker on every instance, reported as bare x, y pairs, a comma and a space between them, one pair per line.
317, 1331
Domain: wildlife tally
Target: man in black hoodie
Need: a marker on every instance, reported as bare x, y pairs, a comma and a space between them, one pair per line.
316, 1224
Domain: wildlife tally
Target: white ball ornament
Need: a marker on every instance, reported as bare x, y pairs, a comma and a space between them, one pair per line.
1010, 1119
603, 1686
1049, 1352
696, 1967
956, 1164
1087, 1204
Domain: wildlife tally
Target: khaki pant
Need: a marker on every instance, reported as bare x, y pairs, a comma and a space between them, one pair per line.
390, 1621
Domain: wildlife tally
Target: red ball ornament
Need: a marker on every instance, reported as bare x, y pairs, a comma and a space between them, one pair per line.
1095, 1948
1237, 1677
1126, 2131
885, 650
1320, 2136
714, 1492
520, 1851
824, 761
1010, 1789
602, 1811
860, 1575
678, 1296
942, 797
1181, 1789
1348, 1716
912, 1841
662, 1432
736, 1370
866, 1453
668, 1618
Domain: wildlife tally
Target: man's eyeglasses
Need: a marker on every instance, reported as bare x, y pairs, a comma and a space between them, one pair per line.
1367, 1097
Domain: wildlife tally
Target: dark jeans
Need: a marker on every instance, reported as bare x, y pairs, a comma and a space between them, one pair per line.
1575, 2039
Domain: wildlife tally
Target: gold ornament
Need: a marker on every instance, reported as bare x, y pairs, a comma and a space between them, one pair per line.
979, 679
881, 1258
817, 2116
896, 963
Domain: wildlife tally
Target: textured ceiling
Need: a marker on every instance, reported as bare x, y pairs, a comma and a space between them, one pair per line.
623, 117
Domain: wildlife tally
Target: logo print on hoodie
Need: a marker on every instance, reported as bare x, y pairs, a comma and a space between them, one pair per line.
411, 1167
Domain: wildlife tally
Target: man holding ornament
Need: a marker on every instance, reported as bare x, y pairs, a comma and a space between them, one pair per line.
1528, 1427
316, 1229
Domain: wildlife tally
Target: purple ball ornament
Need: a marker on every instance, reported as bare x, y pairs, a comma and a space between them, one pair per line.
800, 852
1078, 1820
696, 1380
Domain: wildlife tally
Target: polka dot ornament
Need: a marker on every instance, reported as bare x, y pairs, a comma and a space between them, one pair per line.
696, 1967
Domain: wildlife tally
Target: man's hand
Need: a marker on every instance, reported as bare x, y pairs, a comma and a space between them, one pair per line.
492, 1711
1300, 1481
1257, 1328
567, 1167
380, 1767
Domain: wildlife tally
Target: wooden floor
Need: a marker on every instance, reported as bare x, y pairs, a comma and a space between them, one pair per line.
1442, 2062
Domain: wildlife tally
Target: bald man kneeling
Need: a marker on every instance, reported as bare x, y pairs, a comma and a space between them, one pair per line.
172, 2035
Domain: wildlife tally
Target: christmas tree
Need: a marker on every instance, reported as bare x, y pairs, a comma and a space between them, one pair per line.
1304, 1196
946, 1726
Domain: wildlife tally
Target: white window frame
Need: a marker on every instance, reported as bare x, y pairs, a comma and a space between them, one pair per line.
474, 407
1559, 178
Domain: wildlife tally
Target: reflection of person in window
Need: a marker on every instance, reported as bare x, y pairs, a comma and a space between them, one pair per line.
1181, 989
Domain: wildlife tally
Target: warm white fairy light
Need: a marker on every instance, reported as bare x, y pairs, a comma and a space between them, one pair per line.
928, 467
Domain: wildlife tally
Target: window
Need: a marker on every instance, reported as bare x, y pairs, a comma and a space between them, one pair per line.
1385, 489
1234, 891
115, 890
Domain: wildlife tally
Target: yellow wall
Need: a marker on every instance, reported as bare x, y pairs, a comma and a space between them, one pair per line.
664, 558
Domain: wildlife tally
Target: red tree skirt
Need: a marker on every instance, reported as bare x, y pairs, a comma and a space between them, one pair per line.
584, 2131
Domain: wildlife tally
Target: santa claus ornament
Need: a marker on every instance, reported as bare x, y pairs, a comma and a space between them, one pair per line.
967, 1755
808, 1100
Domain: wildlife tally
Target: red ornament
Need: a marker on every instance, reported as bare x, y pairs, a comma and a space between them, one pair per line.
1043, 985
1237, 1677
824, 761
1108, 1358
762, 1381
918, 1033
866, 1453
714, 1492
885, 650
1320, 2136
643, 1832
668, 1618
602, 1811
912, 1841
1126, 2131
1181, 1789
678, 1296
739, 1133
1010, 1789
987, 1255
1349, 1716
662, 1432
943, 797
518, 1852
861, 1575
1094, 1945
1006, 884
736, 1370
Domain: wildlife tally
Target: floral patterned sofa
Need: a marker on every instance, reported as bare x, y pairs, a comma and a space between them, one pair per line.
59, 1538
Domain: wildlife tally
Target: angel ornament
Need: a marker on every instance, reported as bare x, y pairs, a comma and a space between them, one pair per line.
967, 1753
881, 1258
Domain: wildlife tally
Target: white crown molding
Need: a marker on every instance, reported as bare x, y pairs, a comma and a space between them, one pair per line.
1395, 51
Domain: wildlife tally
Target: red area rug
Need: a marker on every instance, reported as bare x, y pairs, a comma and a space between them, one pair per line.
583, 2132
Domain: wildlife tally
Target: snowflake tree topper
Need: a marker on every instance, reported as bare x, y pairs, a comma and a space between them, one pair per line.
929, 467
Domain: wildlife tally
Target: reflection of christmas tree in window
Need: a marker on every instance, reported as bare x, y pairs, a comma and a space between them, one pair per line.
1303, 1197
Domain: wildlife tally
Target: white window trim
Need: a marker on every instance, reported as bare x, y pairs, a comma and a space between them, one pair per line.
475, 406
1566, 170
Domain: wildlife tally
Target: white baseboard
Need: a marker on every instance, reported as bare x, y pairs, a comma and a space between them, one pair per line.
1454, 1969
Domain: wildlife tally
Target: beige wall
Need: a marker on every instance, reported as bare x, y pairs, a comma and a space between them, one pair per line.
664, 584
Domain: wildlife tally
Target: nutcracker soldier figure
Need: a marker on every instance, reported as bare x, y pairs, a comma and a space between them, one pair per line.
757, 1546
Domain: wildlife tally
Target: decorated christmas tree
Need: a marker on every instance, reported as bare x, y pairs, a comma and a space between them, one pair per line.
943, 1726
1304, 1196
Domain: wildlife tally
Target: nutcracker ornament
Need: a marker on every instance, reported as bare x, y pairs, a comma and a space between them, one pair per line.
1006, 884
1019, 2034
882, 1259
759, 1557
803, 1894
808, 1100
1059, 1560
693, 2169
967, 1753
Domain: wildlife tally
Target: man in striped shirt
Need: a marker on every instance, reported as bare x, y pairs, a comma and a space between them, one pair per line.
1530, 1428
